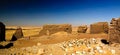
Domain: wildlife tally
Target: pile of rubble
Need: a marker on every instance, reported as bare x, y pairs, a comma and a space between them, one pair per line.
90, 46
87, 47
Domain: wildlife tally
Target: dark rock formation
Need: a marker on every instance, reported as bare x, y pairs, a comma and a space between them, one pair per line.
100, 27
82, 29
114, 31
18, 34
51, 29
2, 32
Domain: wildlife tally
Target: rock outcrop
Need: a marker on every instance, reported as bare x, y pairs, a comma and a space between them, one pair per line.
18, 34
51, 29
82, 29
100, 27
2, 32
114, 31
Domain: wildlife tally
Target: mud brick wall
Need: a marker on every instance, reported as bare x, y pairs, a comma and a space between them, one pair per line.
2, 32
82, 29
51, 29
114, 31
100, 27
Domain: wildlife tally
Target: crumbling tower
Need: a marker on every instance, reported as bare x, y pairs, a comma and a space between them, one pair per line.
114, 31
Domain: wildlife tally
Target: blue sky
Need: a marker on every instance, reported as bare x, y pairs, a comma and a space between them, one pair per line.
40, 12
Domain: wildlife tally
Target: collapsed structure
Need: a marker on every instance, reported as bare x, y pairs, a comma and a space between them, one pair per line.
114, 31
51, 29
82, 29
18, 34
2, 32
100, 27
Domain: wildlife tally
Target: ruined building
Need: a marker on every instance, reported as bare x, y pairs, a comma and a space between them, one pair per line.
114, 31
100, 27
2, 32
18, 34
51, 29
82, 29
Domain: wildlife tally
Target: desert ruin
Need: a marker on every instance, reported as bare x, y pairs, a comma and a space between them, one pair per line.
114, 32
51, 29
62, 39
100, 27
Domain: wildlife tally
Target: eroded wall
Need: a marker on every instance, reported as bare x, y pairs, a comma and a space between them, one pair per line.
51, 29
114, 31
100, 27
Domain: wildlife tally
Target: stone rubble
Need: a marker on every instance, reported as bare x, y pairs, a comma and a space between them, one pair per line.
84, 46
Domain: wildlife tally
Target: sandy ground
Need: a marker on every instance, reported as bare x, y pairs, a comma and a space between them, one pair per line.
55, 38
33, 32
53, 44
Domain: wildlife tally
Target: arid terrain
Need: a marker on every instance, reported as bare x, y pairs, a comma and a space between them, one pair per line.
33, 33
60, 43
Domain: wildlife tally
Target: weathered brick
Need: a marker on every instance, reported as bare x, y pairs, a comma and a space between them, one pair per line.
114, 31
100, 27
51, 29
